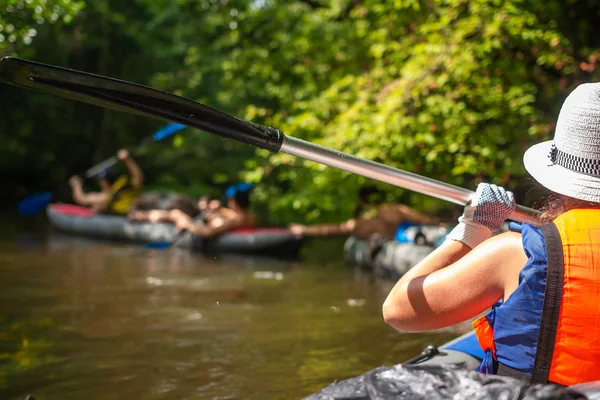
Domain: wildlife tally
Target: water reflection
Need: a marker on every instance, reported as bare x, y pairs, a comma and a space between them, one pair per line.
83, 319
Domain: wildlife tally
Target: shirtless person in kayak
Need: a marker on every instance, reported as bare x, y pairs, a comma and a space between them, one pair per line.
383, 221
223, 219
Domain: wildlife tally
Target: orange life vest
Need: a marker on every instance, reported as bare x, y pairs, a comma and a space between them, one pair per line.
556, 339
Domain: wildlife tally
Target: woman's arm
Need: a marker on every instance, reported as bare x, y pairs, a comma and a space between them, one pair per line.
137, 176
96, 200
454, 284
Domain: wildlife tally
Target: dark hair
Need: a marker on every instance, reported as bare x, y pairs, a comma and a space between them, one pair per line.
242, 199
556, 204
366, 192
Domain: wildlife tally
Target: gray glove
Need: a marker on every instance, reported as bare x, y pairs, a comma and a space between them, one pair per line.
488, 209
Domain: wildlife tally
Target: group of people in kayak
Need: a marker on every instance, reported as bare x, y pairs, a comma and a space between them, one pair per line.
209, 217
541, 280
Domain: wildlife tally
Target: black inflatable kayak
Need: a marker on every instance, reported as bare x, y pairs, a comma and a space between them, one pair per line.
83, 222
391, 260
443, 373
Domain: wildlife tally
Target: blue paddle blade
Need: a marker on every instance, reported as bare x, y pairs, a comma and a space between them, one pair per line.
157, 245
240, 187
34, 204
167, 131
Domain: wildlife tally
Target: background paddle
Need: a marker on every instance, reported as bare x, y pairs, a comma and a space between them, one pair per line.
142, 100
164, 245
157, 136
38, 202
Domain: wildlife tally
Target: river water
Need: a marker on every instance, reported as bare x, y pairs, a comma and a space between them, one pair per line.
90, 320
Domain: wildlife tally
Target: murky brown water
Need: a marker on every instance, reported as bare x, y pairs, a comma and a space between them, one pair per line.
89, 320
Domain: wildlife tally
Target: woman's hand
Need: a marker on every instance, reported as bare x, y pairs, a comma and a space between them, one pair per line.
490, 206
75, 181
123, 154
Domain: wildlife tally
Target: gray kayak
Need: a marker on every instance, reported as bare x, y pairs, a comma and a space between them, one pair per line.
81, 221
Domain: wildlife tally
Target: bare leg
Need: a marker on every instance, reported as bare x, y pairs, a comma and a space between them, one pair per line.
345, 228
153, 216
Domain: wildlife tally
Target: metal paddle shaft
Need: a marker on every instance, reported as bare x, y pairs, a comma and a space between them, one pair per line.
101, 167
373, 170
142, 100
387, 174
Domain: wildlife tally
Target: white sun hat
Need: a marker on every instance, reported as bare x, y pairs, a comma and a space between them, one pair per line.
570, 164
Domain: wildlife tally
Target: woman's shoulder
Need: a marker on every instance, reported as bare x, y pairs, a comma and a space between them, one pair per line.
505, 241
505, 257
504, 249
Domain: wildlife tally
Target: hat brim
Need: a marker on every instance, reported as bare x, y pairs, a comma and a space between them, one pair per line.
559, 179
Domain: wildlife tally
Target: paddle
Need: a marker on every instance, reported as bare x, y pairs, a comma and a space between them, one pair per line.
157, 136
141, 100
38, 202
163, 245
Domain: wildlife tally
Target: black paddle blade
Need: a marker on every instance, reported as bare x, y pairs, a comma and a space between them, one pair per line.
136, 99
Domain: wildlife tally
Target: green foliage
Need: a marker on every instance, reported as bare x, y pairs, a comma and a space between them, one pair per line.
451, 89
20, 20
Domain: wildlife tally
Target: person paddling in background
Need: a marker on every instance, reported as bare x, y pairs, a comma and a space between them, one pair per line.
220, 220
541, 281
156, 207
386, 221
114, 197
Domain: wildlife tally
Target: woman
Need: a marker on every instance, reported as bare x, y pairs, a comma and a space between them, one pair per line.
116, 196
543, 283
